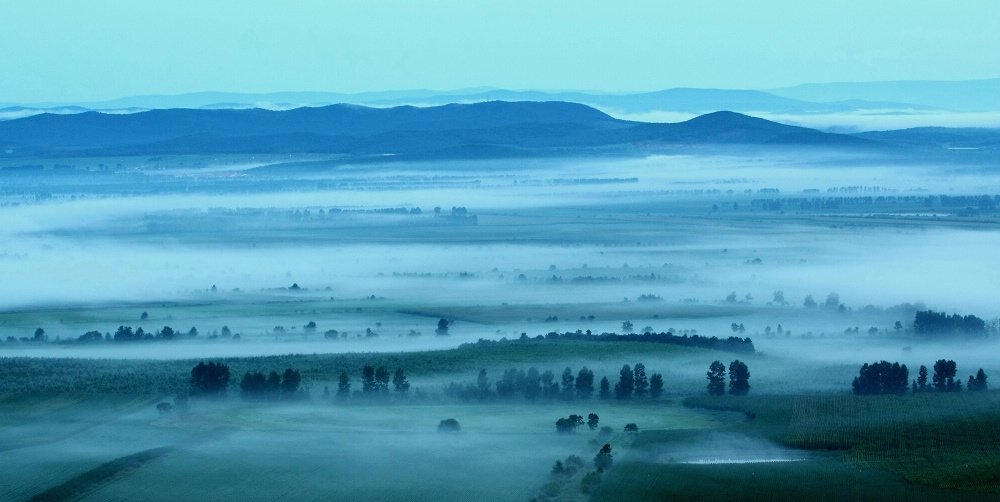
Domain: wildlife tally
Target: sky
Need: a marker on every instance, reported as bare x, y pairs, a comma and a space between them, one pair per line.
57, 51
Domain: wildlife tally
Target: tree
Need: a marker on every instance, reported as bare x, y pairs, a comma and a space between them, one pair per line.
640, 384
979, 382
532, 384
343, 386
655, 385
368, 385
626, 381
589, 482
716, 379
449, 425
558, 469
567, 384
944, 375
605, 391
922, 379
290, 382
832, 301
809, 303
382, 380
627, 327
631, 427
125, 334
593, 420
739, 378
272, 389
550, 389
603, 459
40, 335
399, 382
483, 385
210, 379
164, 408
442, 328
568, 425
584, 383
881, 378
167, 333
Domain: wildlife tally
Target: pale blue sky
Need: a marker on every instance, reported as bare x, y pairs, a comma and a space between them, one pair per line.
100, 49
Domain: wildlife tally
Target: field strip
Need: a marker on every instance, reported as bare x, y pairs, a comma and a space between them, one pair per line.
88, 482
96, 421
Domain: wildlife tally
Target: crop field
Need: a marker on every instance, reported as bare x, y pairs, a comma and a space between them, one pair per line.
316, 451
947, 441
320, 270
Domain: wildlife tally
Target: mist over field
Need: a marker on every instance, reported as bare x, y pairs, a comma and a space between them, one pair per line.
460, 278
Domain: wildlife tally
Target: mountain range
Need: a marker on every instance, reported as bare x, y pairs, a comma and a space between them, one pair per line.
875, 97
490, 129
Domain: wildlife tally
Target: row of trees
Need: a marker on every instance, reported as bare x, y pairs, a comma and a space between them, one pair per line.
739, 378
532, 385
374, 383
126, 334
632, 382
930, 323
210, 380
882, 378
729, 344
885, 378
257, 387
569, 424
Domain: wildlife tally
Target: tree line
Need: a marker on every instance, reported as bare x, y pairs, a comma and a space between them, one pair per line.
374, 383
256, 387
939, 324
885, 378
532, 385
730, 344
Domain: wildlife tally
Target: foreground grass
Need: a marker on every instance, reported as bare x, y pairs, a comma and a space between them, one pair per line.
946, 441
813, 480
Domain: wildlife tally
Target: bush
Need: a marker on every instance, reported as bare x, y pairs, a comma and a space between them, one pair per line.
590, 481
449, 425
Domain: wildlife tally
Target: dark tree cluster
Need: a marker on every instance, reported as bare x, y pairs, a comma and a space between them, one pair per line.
603, 459
530, 385
739, 378
885, 378
127, 334
210, 379
881, 378
944, 376
977, 383
449, 425
568, 425
374, 383
939, 324
257, 387
633, 382
730, 344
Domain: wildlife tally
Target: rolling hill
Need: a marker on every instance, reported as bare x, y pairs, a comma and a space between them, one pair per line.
495, 128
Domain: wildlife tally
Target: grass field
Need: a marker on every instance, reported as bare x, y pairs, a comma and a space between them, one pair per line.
946, 441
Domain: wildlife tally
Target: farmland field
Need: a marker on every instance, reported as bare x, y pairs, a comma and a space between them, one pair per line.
507, 267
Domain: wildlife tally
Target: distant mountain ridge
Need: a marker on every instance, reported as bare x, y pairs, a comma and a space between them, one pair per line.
899, 97
496, 128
